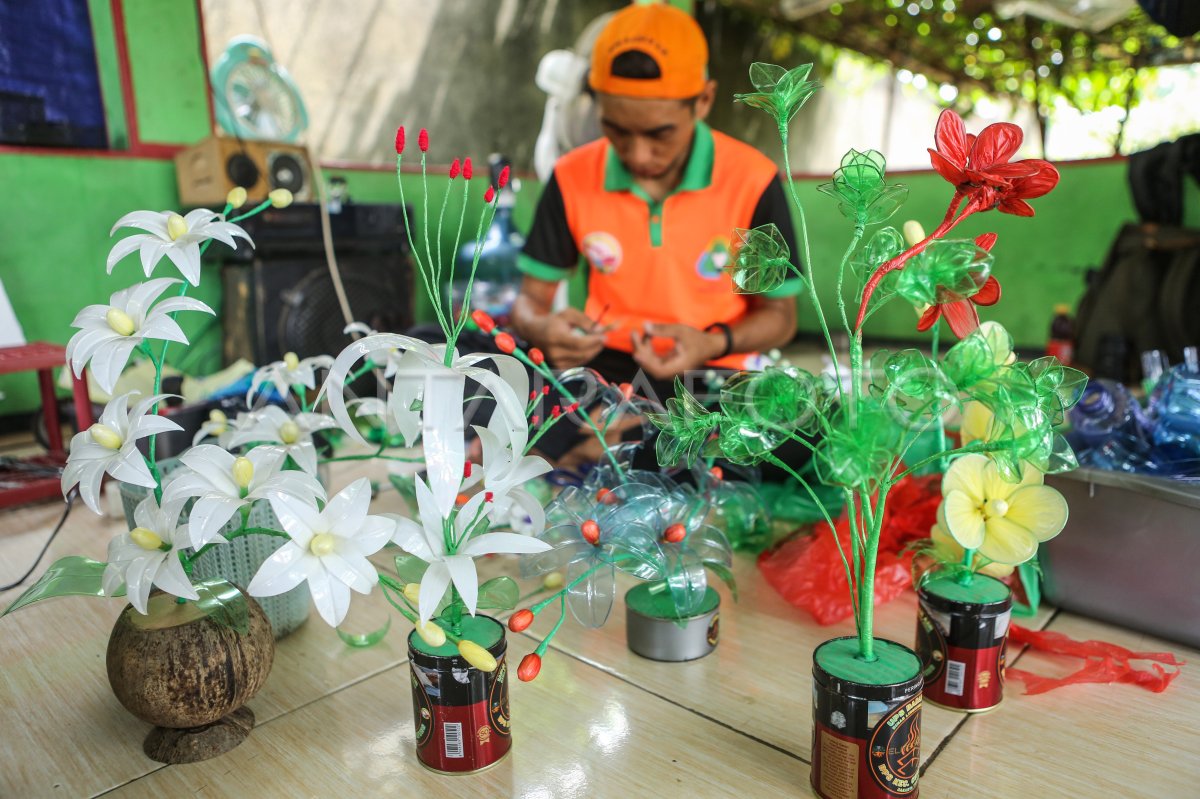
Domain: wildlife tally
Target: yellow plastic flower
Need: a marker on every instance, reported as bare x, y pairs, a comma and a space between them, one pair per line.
978, 423
947, 550
1004, 522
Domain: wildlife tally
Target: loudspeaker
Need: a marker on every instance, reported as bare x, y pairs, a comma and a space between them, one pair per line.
208, 170
280, 298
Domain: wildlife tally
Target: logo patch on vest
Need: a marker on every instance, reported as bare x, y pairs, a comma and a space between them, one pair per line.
714, 259
602, 251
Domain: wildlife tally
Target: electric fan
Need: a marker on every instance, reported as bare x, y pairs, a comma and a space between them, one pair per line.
254, 97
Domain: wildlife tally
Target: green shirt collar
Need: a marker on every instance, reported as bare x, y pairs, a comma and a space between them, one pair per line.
697, 174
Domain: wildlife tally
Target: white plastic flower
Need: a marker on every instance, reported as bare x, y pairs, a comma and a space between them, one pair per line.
177, 237
1003, 521
393, 356
454, 563
148, 555
109, 333
289, 372
423, 374
328, 548
291, 434
224, 483
110, 446
504, 475
216, 426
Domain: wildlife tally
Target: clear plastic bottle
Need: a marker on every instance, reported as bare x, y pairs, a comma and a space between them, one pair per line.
497, 280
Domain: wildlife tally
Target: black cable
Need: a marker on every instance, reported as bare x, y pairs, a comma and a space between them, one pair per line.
70, 500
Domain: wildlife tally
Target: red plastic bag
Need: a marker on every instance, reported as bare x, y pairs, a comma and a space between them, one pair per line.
1104, 663
807, 570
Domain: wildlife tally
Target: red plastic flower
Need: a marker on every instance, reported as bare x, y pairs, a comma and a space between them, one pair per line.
980, 169
960, 311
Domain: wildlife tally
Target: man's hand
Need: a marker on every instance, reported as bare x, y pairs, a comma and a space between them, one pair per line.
693, 348
569, 338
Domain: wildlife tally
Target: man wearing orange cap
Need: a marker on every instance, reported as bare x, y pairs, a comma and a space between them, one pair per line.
652, 207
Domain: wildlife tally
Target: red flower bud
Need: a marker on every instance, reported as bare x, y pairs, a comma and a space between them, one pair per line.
602, 494
486, 323
626, 390
468, 172
591, 532
574, 406
520, 620
467, 469
489, 195
675, 533
717, 472
545, 390
423, 140
555, 411
531, 664
503, 181
532, 395
461, 500
488, 496
533, 420
536, 356
505, 343
454, 169
399, 140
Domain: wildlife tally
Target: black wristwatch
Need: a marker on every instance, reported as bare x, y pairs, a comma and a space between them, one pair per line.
724, 328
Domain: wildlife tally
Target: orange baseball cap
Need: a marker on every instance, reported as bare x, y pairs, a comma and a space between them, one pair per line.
669, 36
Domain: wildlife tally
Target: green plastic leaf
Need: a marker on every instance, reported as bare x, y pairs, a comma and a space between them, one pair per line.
762, 260
1031, 580
224, 603
70, 576
410, 568
726, 575
367, 639
499, 593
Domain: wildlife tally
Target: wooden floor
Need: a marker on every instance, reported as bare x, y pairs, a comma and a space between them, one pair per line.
598, 722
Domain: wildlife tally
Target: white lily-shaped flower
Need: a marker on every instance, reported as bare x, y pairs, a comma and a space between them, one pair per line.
504, 474
110, 445
217, 426
148, 555
454, 562
224, 483
291, 434
289, 372
109, 333
328, 548
177, 237
393, 356
423, 374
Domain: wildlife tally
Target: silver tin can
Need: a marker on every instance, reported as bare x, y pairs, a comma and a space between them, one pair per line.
669, 639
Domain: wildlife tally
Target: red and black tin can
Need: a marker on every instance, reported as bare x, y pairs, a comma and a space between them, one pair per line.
460, 712
866, 737
961, 635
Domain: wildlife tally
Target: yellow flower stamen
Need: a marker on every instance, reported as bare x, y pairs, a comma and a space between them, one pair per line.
291, 361
995, 507
289, 432
243, 472
280, 198
431, 633
105, 436
236, 197
477, 656
412, 592
176, 226
322, 544
146, 539
121, 322
913, 232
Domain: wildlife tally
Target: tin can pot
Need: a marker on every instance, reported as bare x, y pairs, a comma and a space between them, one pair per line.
962, 631
654, 631
460, 712
866, 721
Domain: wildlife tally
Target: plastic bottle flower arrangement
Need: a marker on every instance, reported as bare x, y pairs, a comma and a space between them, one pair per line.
859, 431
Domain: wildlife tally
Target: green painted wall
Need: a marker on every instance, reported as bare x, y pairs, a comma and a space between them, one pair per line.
54, 229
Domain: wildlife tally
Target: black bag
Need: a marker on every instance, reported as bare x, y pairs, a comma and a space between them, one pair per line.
1145, 297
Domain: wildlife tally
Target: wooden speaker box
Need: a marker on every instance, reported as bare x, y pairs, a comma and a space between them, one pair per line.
209, 169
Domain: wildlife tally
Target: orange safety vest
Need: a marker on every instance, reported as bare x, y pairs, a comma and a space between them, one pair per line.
663, 263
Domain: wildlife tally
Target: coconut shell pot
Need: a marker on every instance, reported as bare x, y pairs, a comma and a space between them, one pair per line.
189, 676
